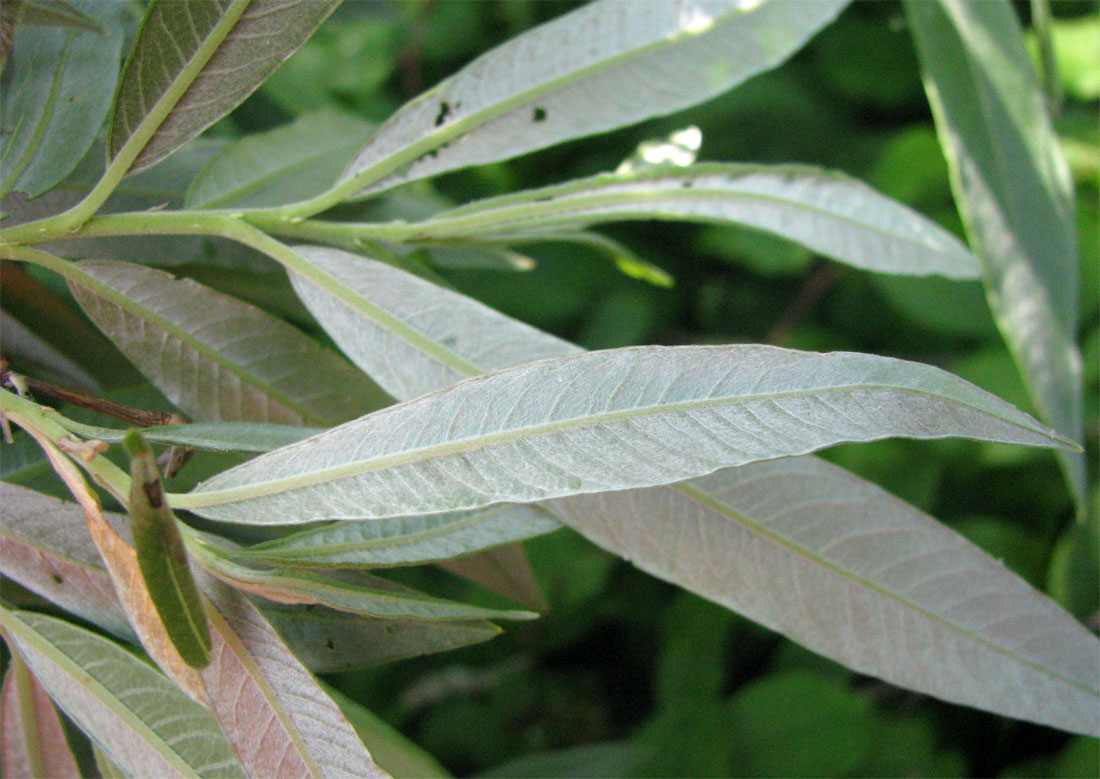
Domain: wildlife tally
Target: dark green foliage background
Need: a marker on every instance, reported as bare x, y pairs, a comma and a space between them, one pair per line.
627, 675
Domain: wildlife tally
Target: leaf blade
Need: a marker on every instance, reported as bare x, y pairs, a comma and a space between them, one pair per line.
194, 62
537, 89
32, 738
602, 421
1012, 187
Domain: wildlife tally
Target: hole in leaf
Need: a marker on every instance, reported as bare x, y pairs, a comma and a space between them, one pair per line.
329, 644
538, 115
58, 578
444, 112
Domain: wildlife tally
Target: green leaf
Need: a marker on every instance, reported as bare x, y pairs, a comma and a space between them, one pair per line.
144, 723
274, 713
193, 62
45, 546
215, 357
62, 80
56, 13
404, 540
217, 436
283, 165
163, 557
353, 591
33, 738
826, 211
387, 327
847, 570
749, 522
551, 83
1014, 193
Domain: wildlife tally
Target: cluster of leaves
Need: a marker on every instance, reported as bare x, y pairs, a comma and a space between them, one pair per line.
445, 432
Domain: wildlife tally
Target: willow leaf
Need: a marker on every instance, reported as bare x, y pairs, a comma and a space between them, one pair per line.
276, 716
216, 436
193, 62
605, 65
32, 741
826, 211
839, 565
403, 540
217, 358
60, 88
610, 420
1013, 189
144, 723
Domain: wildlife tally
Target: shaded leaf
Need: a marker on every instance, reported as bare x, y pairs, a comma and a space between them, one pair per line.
354, 592
217, 358
277, 718
503, 570
144, 723
403, 540
826, 211
1014, 193
162, 557
54, 13
846, 569
193, 62
601, 421
32, 741
62, 81
45, 546
283, 165
551, 83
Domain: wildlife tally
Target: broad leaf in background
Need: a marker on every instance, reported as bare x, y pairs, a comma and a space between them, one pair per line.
839, 565
193, 62
52, 13
1014, 193
404, 540
553, 82
62, 81
277, 718
610, 420
32, 741
217, 436
146, 725
705, 556
215, 357
828, 212
289, 163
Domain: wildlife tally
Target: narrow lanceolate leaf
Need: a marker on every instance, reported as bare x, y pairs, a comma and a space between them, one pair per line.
828, 212
839, 565
387, 326
62, 80
279, 721
605, 65
162, 557
354, 592
217, 358
504, 570
45, 546
1014, 193
193, 62
284, 165
601, 421
403, 540
732, 523
218, 436
144, 723
32, 740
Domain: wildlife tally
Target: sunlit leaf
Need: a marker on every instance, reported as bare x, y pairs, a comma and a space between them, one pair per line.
193, 62
552, 83
62, 81
277, 718
826, 211
144, 723
403, 540
1014, 193
289, 163
217, 358
608, 420
32, 741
